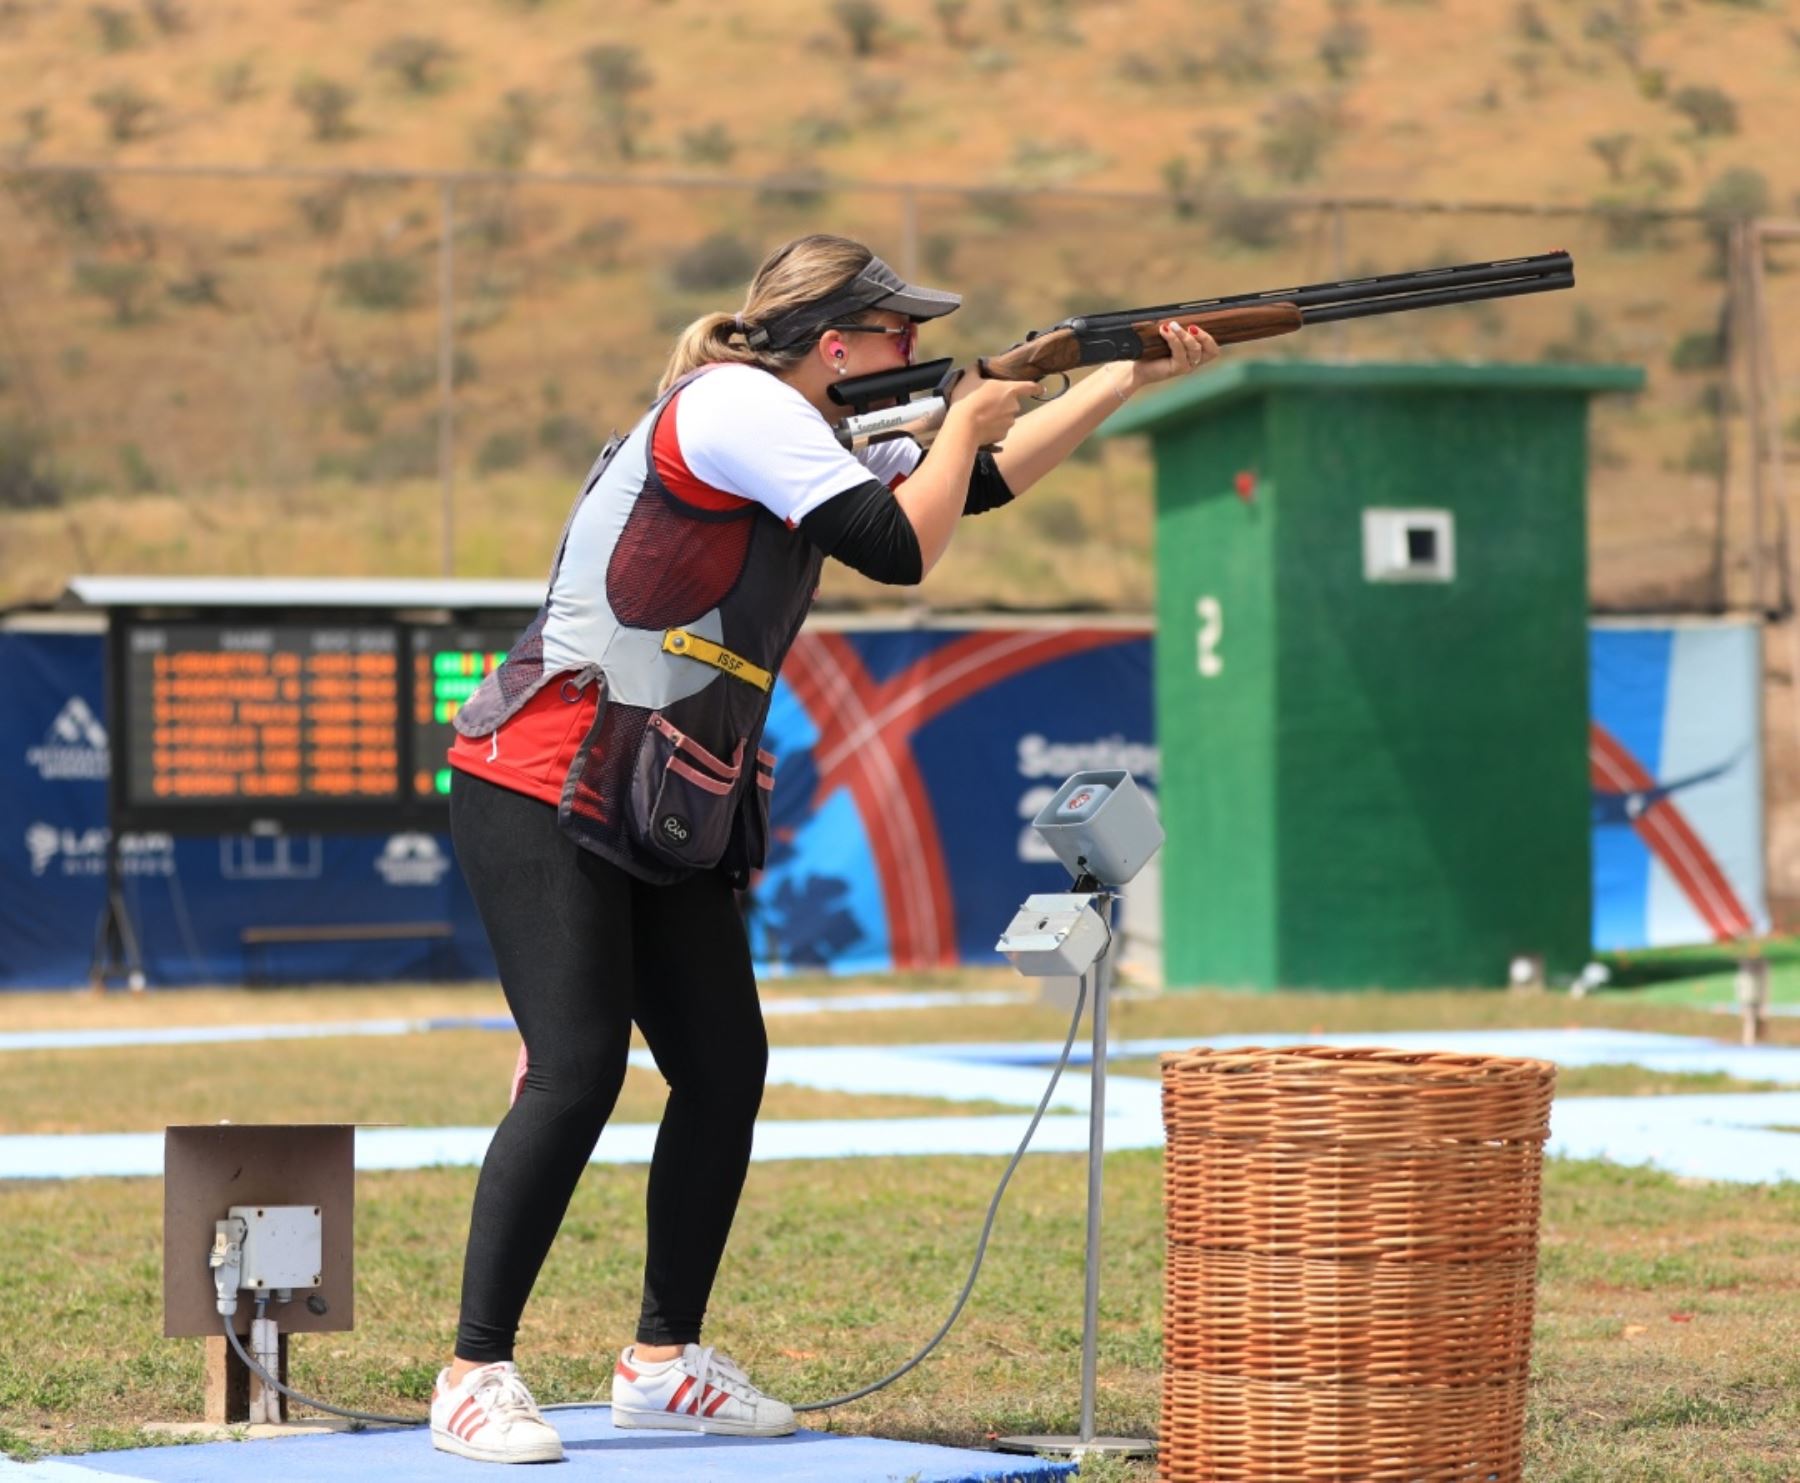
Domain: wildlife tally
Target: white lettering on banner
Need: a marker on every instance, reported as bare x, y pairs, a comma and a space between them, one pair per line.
412, 860
271, 857
74, 746
1040, 758
80, 852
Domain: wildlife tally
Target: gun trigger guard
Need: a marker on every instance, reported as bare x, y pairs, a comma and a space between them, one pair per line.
1044, 395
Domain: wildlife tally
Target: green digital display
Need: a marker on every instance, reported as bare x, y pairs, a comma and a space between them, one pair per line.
448, 665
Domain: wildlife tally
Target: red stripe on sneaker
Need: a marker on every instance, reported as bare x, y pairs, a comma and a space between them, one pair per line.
473, 1425
625, 1372
695, 1404
717, 1401
461, 1415
681, 1394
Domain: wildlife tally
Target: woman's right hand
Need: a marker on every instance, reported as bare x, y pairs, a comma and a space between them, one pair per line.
987, 408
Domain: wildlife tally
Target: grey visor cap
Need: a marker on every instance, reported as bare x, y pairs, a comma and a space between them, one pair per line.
877, 286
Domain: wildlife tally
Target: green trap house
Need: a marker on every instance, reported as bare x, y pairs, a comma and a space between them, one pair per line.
1371, 670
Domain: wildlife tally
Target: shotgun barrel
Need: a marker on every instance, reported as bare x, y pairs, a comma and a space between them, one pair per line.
1133, 334
1416, 290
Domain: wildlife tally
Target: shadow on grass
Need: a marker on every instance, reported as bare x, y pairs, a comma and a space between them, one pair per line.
1650, 966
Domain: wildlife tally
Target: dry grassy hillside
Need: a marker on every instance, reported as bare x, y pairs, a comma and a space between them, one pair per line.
238, 373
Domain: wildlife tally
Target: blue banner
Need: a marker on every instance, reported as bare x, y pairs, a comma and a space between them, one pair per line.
909, 763
1675, 758
199, 906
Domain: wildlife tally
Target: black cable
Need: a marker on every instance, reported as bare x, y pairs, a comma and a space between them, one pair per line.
306, 1400
825, 1405
993, 1210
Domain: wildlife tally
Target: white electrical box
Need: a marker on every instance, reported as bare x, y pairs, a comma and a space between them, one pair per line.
282, 1246
1409, 545
1054, 936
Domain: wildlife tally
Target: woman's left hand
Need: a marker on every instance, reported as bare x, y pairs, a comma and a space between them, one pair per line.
1189, 349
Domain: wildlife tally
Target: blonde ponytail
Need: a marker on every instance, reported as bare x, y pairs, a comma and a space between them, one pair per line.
705, 342
795, 274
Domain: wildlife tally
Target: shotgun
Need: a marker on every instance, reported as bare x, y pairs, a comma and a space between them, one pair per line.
912, 401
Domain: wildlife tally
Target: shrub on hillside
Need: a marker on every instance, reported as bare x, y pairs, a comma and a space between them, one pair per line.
617, 74
862, 21
504, 139
1613, 150
723, 260
323, 210
1737, 194
599, 242
234, 82
1709, 109
128, 111
570, 441
949, 17
421, 64
199, 288
1345, 44
1298, 132
1705, 451
1620, 28
118, 28
326, 104
502, 451
1248, 54
1698, 350
1058, 519
380, 282
27, 479
1629, 223
1530, 24
709, 144
418, 374
817, 128
139, 474
408, 454
1248, 223
798, 188
124, 285
77, 202
168, 16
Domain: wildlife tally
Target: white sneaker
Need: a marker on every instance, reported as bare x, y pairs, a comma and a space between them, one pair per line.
491, 1417
701, 1391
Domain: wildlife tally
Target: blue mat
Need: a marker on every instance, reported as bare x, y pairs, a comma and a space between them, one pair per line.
594, 1450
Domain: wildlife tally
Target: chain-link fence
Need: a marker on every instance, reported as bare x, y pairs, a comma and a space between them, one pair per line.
402, 373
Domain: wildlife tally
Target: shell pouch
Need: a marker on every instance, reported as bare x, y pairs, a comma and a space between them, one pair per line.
683, 798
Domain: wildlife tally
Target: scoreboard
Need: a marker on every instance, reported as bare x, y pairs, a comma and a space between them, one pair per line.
447, 665
342, 722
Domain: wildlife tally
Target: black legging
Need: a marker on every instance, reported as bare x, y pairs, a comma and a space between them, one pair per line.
584, 950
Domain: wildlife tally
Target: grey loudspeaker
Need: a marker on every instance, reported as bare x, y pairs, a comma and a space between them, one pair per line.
1099, 824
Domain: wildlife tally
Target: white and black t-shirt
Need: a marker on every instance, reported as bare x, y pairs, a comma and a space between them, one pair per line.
740, 432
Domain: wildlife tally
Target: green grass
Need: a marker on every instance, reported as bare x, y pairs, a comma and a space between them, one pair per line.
1668, 1332
1668, 1324
447, 1078
1702, 976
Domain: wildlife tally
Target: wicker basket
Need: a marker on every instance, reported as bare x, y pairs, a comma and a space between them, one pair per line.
1352, 1257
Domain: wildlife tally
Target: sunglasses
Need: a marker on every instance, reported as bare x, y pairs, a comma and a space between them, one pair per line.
908, 333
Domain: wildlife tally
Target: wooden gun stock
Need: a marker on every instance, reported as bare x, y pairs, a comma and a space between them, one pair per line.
1060, 350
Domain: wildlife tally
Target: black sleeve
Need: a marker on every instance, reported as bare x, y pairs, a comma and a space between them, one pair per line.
866, 529
987, 486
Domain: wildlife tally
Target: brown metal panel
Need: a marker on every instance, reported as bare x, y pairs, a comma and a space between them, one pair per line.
208, 1168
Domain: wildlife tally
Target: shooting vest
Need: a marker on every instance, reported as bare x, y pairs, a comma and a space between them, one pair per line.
681, 617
